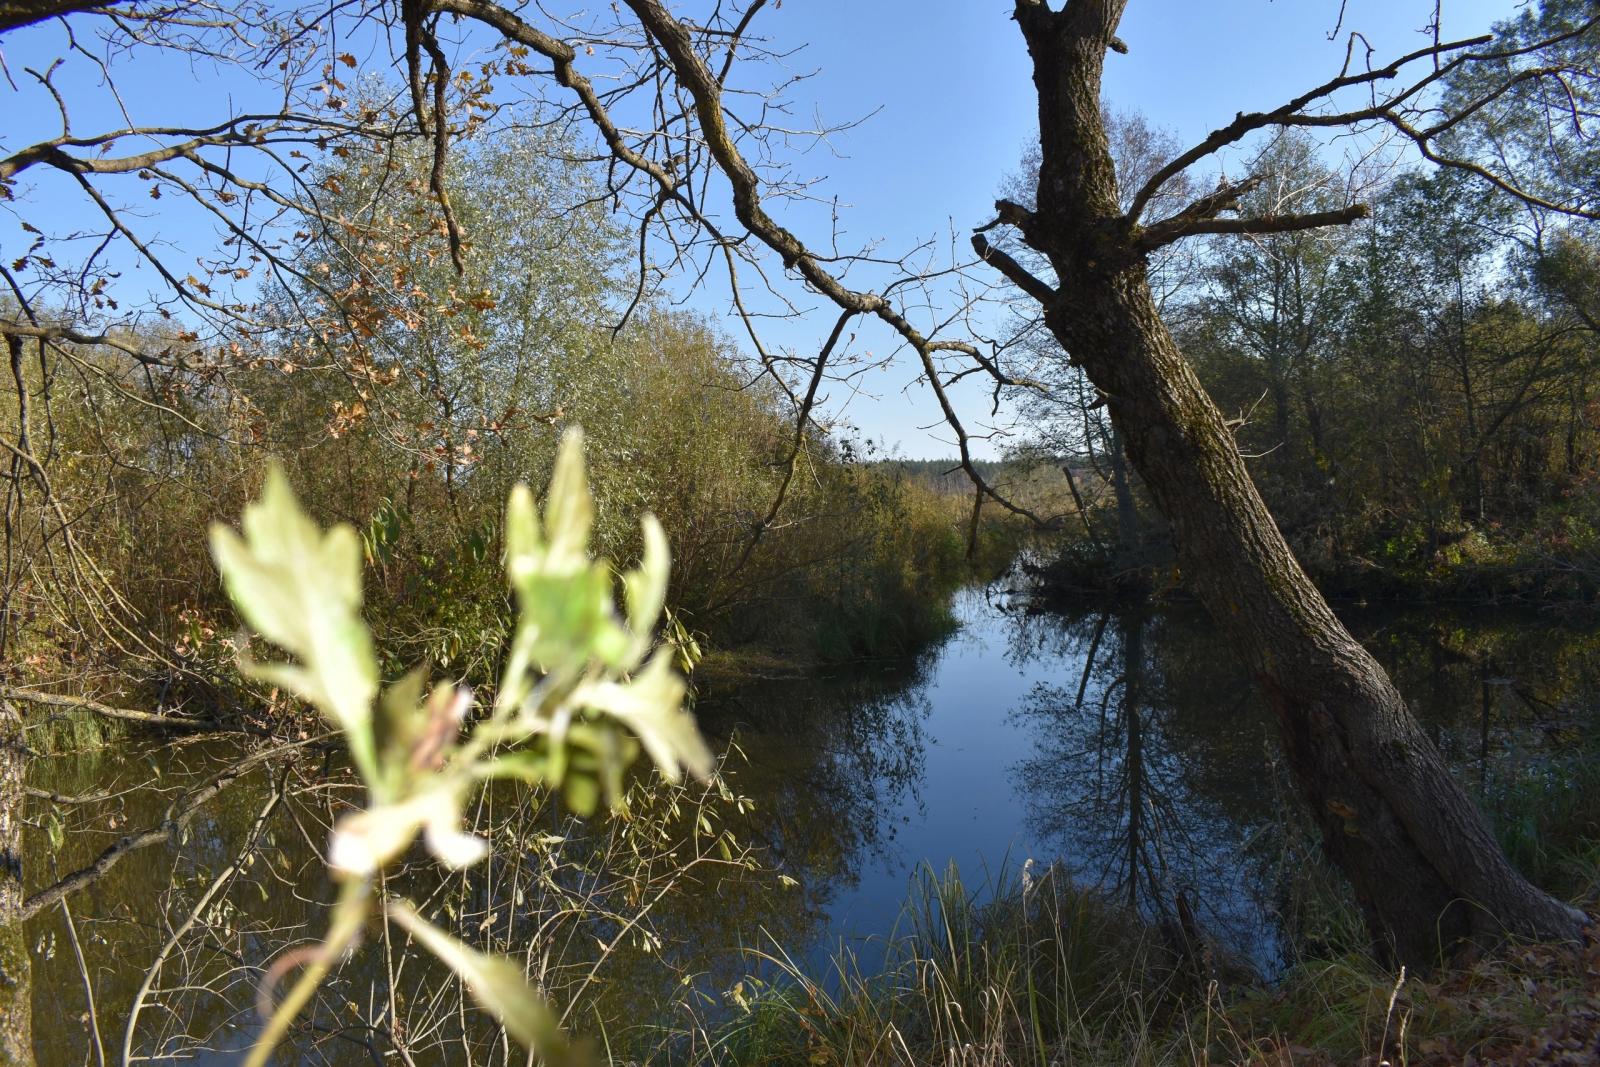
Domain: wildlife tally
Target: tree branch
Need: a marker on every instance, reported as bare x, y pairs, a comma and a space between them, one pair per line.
1244, 123
1177, 228
1014, 272
106, 711
177, 816
15, 14
705, 92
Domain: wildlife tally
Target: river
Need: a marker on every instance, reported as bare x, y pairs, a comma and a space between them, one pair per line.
1122, 745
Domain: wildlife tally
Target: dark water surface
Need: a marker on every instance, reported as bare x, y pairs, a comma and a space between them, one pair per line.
1124, 745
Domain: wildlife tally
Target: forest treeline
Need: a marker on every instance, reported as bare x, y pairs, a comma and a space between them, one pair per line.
407, 400
1415, 394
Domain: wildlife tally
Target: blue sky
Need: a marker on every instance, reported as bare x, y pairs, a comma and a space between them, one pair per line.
953, 81
949, 83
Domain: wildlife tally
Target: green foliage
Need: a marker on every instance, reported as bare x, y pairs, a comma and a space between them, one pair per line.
1527, 125
579, 678
1414, 394
301, 590
1547, 817
409, 409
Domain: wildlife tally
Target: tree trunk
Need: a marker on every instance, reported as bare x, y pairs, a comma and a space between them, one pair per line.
1129, 544
16, 986
1428, 874
1474, 466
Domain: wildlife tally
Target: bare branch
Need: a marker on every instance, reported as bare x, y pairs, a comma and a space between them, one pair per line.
106, 711
1014, 272
1246, 123
176, 817
1175, 229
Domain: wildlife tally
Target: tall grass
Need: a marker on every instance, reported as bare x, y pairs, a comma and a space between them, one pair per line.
1028, 971
1547, 817
1035, 972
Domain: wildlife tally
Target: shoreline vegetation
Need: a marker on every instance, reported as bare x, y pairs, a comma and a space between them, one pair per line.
1412, 393
1555, 570
1036, 970
1033, 970
1041, 971
1568, 588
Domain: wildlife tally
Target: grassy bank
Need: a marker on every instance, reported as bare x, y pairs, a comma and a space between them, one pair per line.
1044, 973
1038, 970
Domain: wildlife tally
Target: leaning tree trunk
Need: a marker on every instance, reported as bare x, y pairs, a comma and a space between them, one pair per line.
1130, 548
1428, 874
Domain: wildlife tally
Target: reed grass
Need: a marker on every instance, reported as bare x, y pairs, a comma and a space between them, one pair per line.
1035, 972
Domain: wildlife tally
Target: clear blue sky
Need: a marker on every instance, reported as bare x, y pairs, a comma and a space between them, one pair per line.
953, 81
951, 84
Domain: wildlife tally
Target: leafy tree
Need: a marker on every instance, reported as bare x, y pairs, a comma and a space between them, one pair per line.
1273, 304
1521, 114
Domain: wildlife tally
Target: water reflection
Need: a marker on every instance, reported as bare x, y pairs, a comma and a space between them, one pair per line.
826, 757
1123, 744
1118, 786
1156, 772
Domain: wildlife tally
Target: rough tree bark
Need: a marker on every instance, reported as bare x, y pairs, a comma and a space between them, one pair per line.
16, 986
1429, 876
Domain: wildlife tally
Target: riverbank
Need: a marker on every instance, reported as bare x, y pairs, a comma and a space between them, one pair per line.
850, 788
1471, 569
1047, 973
1056, 966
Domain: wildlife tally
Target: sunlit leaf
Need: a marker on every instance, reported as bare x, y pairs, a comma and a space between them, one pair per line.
365, 841
651, 705
569, 509
300, 588
645, 589
523, 540
400, 722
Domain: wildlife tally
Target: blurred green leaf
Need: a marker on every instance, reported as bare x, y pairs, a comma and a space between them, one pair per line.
569, 509
645, 589
499, 985
651, 705
301, 589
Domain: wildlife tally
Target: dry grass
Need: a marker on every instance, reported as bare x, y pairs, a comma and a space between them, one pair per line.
1041, 974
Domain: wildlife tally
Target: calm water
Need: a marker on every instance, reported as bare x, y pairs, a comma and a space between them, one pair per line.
1124, 746
990, 757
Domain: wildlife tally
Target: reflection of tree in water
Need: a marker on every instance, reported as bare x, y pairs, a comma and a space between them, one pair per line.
828, 756
1151, 768
1510, 698
1119, 782
1494, 688
1155, 767
610, 915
